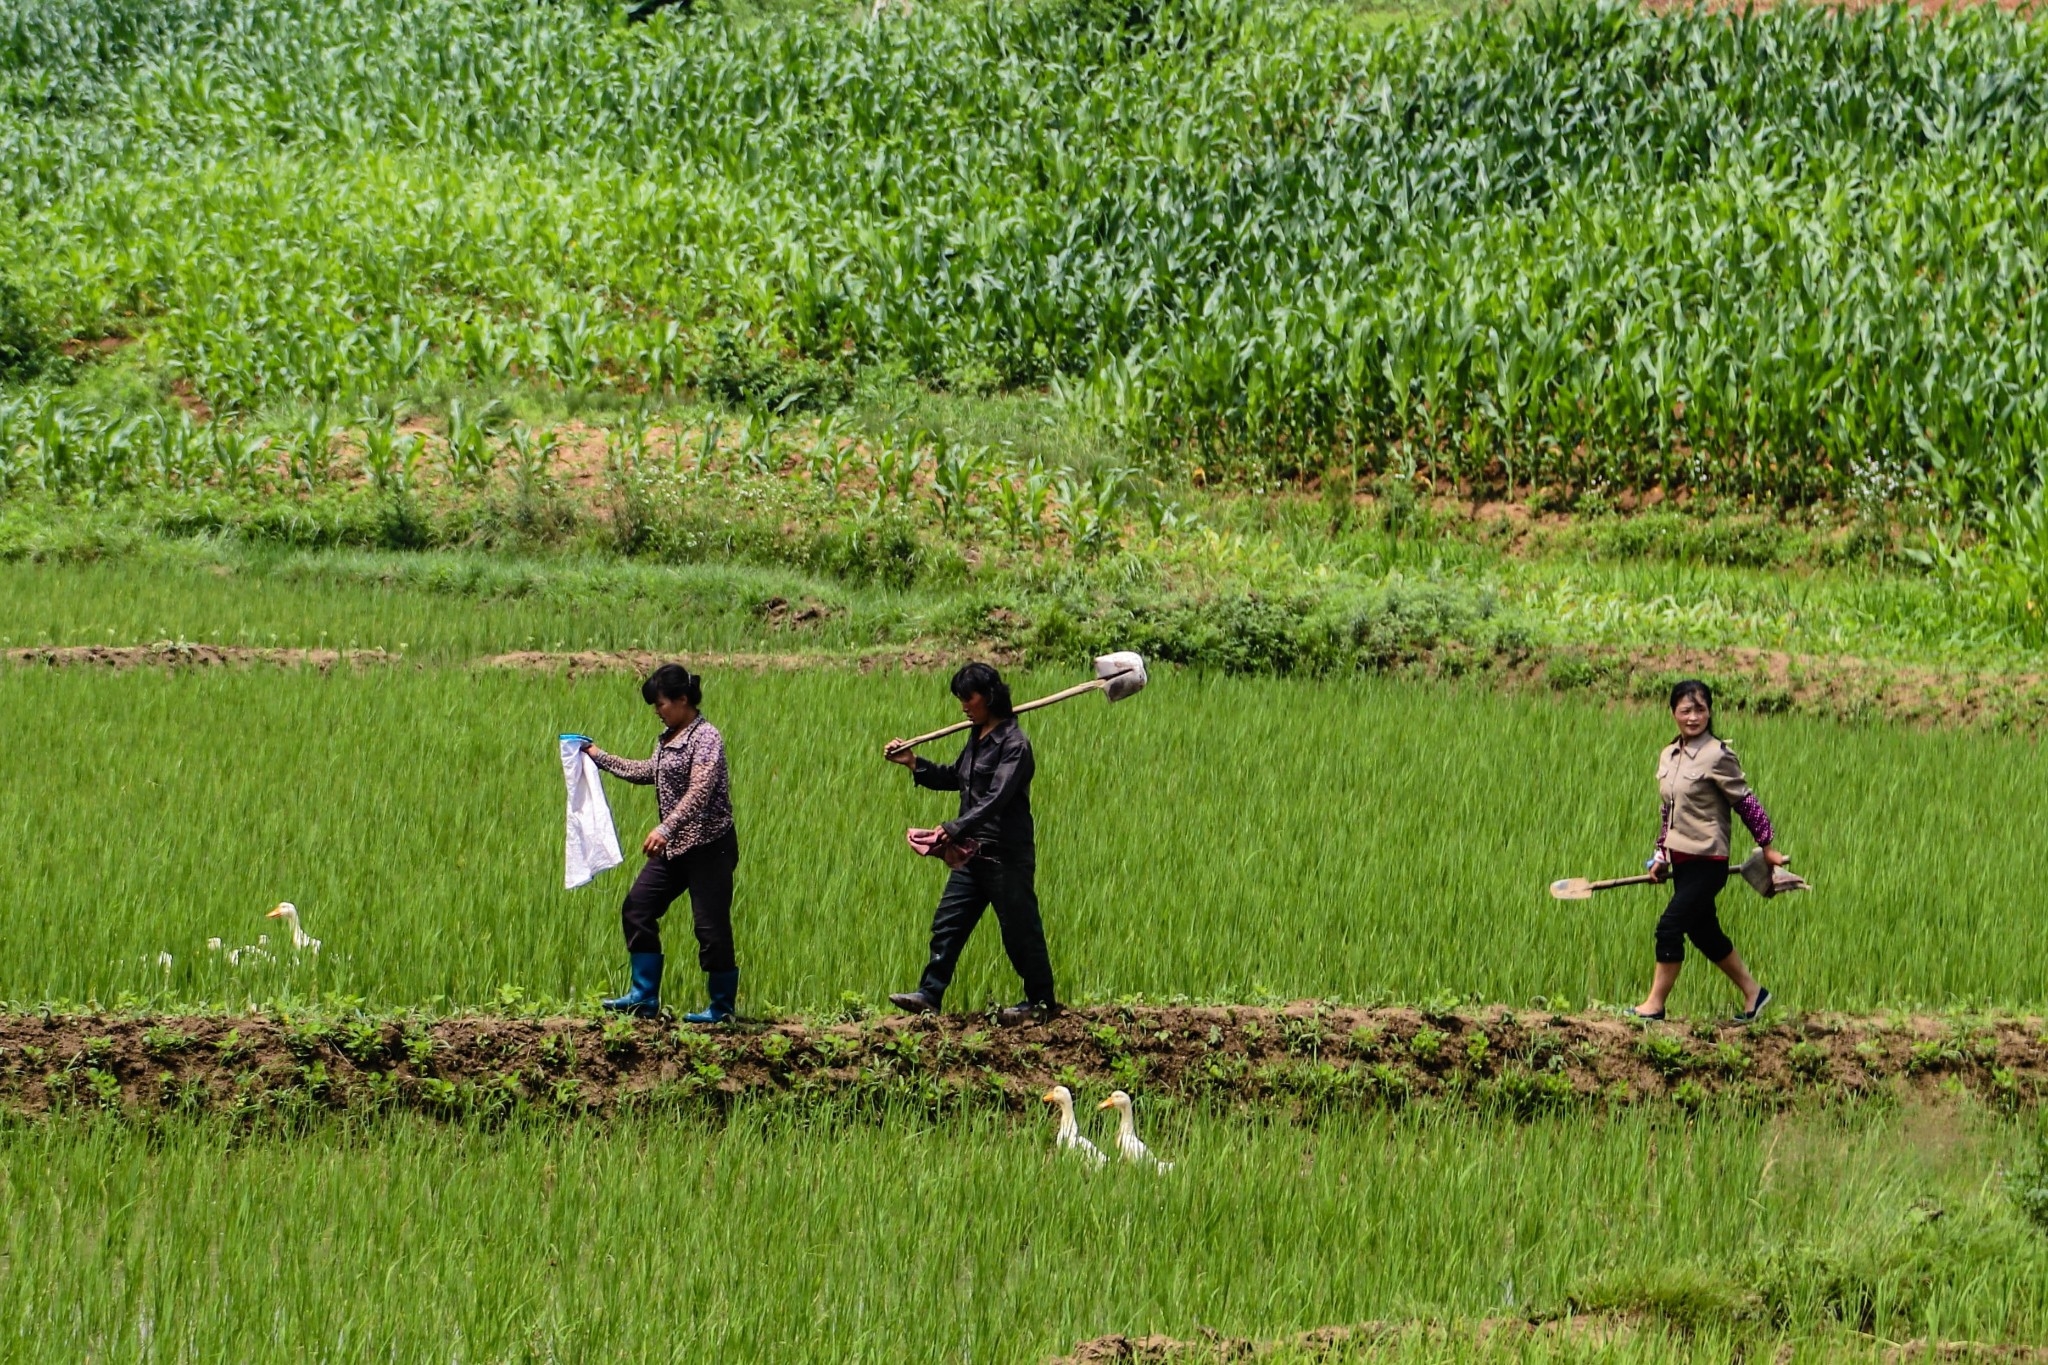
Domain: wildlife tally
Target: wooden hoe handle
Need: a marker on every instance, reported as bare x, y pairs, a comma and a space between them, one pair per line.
1092, 685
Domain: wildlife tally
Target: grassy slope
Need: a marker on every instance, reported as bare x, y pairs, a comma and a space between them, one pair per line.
966, 1240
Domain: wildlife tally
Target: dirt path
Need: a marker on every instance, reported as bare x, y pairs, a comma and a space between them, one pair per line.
1754, 680
1305, 1060
170, 654
1513, 1335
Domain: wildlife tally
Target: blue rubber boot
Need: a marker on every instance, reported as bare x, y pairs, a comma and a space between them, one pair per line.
725, 991
644, 1000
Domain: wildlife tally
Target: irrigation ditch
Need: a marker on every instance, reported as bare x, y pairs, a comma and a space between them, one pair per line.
1305, 1060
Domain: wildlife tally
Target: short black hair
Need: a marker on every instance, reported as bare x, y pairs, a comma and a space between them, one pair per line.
670, 682
1693, 687
983, 679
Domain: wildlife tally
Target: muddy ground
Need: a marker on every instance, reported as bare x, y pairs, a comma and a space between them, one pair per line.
1305, 1060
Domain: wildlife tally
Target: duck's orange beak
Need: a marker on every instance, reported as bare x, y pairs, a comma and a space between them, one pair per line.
277, 913
1106, 1103
1050, 1098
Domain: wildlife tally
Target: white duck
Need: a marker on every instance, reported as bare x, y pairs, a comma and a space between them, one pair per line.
1069, 1136
301, 940
1127, 1145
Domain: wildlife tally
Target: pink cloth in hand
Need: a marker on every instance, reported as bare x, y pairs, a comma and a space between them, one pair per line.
928, 843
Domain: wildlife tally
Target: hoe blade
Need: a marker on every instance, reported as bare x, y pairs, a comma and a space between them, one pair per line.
1572, 889
1124, 672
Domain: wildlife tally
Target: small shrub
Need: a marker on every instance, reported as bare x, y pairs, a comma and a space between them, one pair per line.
1365, 1039
306, 1040
1665, 1054
419, 1048
1807, 1060
619, 1037
775, 1047
1526, 1093
106, 1087
362, 1041
159, 1041
1108, 1039
1928, 1055
1427, 1045
1303, 1037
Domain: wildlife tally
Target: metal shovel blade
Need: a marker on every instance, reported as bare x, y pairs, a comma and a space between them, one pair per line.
1765, 880
1122, 673
1571, 889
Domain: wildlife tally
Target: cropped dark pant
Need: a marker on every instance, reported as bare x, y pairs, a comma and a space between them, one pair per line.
1010, 887
705, 872
1691, 913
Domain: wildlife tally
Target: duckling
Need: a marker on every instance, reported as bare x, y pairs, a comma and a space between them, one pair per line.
1069, 1135
1127, 1144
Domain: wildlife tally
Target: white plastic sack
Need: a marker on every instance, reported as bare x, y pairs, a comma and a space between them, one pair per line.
593, 845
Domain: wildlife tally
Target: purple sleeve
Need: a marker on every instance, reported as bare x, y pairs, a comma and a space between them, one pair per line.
1752, 812
636, 770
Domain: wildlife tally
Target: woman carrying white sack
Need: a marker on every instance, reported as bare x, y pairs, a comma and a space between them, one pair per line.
694, 849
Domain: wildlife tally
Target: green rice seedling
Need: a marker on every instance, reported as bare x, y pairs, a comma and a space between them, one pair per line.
1021, 1254
413, 816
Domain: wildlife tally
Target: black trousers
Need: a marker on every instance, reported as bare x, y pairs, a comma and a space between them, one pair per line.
1691, 913
705, 872
1010, 887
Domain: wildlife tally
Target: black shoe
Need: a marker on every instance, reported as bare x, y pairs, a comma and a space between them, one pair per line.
1763, 997
1030, 1012
1634, 1012
915, 1002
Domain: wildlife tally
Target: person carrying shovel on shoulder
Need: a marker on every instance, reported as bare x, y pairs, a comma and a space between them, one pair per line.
991, 847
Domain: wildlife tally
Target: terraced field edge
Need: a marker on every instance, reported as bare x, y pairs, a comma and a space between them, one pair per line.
1306, 1060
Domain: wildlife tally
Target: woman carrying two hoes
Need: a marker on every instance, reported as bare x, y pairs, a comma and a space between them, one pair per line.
1702, 785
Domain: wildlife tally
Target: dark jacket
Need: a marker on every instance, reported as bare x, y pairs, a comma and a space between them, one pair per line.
993, 777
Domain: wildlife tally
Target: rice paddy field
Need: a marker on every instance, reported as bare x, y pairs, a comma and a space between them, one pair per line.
901, 1240
385, 383
1217, 839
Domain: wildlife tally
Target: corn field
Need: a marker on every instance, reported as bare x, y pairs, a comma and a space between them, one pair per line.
1788, 255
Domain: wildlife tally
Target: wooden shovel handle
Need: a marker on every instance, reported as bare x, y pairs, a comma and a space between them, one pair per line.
1092, 685
1644, 880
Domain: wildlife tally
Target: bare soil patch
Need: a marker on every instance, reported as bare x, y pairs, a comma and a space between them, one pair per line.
639, 661
1305, 1059
1755, 680
1770, 681
1358, 1342
168, 654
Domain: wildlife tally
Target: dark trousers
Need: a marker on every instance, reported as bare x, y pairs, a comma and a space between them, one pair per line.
1011, 888
705, 872
1691, 913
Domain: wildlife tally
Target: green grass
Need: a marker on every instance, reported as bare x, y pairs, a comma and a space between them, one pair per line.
431, 606
1216, 837
969, 1241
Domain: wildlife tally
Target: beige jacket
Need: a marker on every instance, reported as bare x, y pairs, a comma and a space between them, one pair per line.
1701, 782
